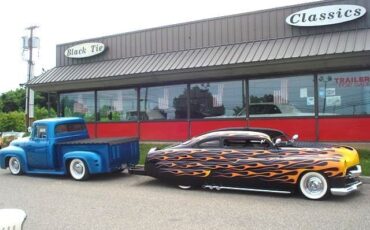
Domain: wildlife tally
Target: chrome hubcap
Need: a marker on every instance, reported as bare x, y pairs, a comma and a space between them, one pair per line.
314, 185
15, 165
78, 168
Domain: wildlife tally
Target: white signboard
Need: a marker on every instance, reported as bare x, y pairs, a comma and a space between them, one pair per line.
325, 15
334, 101
310, 101
85, 50
330, 92
303, 92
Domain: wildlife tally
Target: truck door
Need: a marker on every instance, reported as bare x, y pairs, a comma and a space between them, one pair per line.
37, 152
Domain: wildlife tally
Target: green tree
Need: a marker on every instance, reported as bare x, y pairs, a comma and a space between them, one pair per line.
13, 100
12, 121
264, 98
42, 112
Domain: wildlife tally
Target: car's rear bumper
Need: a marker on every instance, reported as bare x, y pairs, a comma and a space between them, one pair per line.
346, 190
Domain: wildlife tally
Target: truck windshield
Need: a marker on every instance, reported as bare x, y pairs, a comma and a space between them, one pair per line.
73, 127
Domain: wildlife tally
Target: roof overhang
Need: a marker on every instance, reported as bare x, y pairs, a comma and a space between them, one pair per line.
324, 52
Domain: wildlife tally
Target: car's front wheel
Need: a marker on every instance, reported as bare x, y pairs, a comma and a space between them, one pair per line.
313, 185
79, 170
15, 166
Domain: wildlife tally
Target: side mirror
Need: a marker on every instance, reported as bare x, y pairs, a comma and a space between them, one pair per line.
295, 137
277, 141
29, 129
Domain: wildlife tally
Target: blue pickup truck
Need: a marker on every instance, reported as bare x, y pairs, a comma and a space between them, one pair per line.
62, 146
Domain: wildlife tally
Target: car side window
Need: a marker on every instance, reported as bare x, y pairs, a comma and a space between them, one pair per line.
41, 132
214, 143
246, 143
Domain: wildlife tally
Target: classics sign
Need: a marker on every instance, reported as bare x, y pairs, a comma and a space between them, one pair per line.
85, 50
325, 15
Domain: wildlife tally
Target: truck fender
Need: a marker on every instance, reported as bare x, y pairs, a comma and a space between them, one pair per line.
92, 160
13, 151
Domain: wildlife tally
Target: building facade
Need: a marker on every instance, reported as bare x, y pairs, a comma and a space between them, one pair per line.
303, 69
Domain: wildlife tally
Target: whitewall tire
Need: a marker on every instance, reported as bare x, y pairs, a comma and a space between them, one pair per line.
313, 185
185, 187
78, 169
15, 166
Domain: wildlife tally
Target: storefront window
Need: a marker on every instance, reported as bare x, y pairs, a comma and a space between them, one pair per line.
217, 100
163, 103
117, 105
279, 97
80, 104
345, 93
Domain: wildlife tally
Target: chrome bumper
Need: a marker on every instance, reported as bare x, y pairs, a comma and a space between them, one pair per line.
357, 172
345, 191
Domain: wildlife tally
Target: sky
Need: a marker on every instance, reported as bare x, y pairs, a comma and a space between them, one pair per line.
72, 20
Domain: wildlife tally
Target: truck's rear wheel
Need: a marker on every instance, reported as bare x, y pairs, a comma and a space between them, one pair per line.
79, 170
15, 166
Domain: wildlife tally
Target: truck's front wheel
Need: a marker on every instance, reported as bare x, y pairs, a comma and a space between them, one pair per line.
79, 170
15, 167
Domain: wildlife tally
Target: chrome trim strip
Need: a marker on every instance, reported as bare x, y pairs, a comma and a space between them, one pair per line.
345, 191
244, 189
357, 172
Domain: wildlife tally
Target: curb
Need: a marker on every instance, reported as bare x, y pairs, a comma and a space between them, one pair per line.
365, 179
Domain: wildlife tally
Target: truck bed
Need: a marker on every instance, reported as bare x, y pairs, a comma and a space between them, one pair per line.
114, 153
110, 141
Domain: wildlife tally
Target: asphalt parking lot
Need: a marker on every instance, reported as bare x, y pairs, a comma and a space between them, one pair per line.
122, 201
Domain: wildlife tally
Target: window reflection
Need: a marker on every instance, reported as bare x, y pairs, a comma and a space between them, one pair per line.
291, 96
117, 105
80, 104
345, 93
163, 103
216, 99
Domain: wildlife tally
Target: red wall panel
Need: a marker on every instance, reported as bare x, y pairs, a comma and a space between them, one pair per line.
304, 127
199, 127
124, 129
91, 129
344, 129
164, 131
330, 129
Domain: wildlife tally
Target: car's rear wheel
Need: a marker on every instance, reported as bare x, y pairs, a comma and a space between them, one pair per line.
313, 185
15, 166
79, 170
185, 187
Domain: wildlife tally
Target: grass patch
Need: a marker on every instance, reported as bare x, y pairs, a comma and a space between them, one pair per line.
144, 149
364, 156
365, 161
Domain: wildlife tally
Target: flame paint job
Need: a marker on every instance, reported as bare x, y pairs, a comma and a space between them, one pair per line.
278, 166
247, 167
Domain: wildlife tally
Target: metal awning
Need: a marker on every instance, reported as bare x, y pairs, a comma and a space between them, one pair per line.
109, 73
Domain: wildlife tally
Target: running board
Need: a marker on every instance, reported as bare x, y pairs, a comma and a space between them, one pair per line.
244, 189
